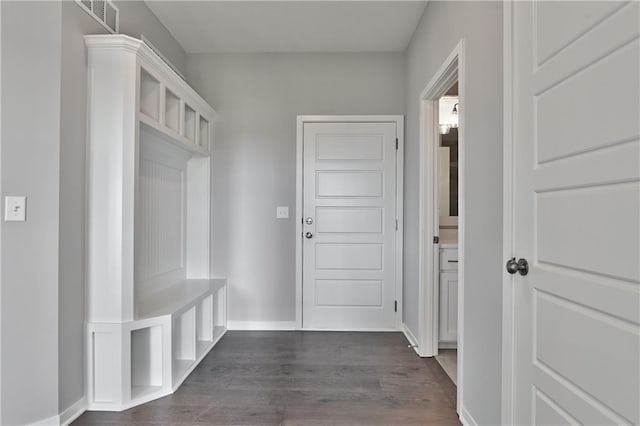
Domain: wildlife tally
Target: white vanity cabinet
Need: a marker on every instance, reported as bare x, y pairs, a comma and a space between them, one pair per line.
448, 330
153, 309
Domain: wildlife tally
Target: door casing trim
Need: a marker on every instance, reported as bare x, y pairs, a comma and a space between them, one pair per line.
399, 121
451, 70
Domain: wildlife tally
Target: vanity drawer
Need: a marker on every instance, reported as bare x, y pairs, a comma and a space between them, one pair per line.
448, 259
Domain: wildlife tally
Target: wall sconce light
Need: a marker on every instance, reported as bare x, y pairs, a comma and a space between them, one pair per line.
448, 113
454, 114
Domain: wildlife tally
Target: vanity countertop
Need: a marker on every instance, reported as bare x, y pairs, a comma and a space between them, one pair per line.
448, 238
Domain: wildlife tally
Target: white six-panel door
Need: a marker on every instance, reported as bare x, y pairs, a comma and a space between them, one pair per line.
349, 212
576, 198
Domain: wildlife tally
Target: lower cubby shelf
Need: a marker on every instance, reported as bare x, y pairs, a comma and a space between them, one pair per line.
180, 369
184, 344
218, 331
204, 319
146, 360
202, 347
160, 351
142, 392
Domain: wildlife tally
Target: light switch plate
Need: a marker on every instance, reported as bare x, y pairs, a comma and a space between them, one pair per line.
15, 209
282, 212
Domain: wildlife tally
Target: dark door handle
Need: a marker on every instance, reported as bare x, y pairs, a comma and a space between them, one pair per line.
521, 266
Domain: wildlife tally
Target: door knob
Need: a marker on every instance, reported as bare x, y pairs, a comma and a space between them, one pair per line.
521, 266
308, 235
309, 221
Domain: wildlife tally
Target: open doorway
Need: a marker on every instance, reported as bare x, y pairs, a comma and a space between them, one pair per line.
447, 213
441, 218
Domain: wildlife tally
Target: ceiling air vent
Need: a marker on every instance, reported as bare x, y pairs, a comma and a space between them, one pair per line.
103, 11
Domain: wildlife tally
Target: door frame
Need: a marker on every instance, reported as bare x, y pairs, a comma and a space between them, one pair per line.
508, 231
399, 122
451, 70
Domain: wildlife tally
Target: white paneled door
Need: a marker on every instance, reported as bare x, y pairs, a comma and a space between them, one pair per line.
349, 225
576, 200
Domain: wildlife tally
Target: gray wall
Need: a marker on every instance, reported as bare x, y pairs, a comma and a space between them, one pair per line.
136, 19
442, 26
30, 166
258, 97
43, 156
0, 204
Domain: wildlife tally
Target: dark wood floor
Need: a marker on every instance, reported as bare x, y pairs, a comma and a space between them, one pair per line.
301, 378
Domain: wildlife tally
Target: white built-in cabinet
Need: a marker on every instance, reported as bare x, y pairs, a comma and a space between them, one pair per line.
448, 324
153, 309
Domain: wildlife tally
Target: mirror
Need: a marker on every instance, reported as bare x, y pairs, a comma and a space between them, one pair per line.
448, 107
449, 171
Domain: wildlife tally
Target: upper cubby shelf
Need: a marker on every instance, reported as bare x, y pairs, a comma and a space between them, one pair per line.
139, 110
164, 101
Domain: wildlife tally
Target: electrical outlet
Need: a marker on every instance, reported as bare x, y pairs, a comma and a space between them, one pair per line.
282, 212
15, 209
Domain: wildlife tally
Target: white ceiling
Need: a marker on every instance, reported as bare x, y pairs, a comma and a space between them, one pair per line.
290, 26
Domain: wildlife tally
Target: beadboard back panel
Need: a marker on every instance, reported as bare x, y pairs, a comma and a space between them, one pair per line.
160, 223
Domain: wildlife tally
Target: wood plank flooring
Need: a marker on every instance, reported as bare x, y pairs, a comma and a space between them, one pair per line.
303, 378
448, 360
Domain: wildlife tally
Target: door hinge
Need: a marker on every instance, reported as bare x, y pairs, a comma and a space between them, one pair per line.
396, 143
436, 240
396, 224
395, 306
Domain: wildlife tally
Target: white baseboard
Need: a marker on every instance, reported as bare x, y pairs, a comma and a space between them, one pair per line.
66, 417
411, 338
465, 418
262, 325
73, 412
51, 421
292, 326
447, 345
354, 330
